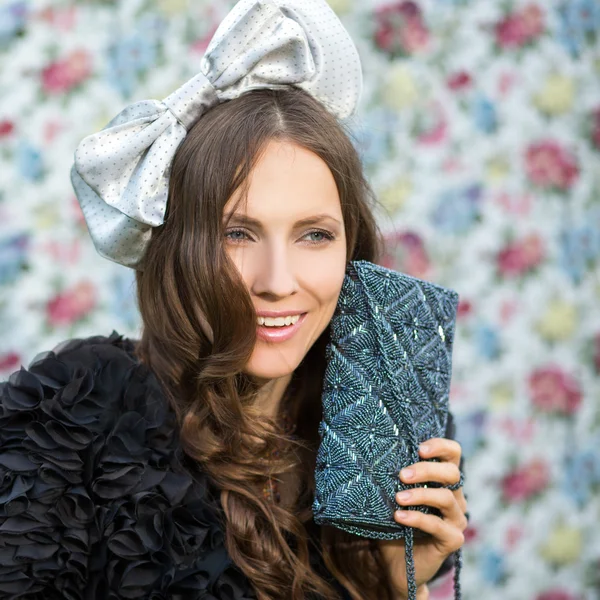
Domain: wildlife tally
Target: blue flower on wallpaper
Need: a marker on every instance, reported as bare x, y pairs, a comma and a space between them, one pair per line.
130, 56
122, 298
29, 162
13, 257
487, 341
470, 431
578, 20
372, 136
484, 114
458, 209
13, 18
580, 247
581, 475
492, 566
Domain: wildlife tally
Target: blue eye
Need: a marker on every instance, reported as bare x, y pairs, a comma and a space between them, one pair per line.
319, 236
326, 236
236, 235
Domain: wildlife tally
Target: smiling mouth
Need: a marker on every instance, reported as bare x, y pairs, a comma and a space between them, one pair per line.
278, 321
278, 329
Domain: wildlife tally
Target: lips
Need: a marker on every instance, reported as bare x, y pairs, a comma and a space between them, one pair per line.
279, 334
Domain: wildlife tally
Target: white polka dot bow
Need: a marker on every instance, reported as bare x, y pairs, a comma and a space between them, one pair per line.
120, 175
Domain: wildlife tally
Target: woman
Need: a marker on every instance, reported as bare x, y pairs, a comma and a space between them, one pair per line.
181, 466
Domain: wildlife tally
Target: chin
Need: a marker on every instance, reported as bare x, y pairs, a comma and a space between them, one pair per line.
272, 363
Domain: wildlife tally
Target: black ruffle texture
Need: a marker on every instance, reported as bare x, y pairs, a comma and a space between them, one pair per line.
96, 498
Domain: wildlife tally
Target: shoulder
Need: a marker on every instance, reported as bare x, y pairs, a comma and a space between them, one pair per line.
88, 382
95, 493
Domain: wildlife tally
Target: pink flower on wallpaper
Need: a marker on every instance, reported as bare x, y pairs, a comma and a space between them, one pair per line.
201, 44
443, 587
520, 431
549, 165
78, 213
6, 128
520, 27
406, 252
555, 595
521, 256
63, 252
400, 29
414, 37
465, 308
513, 536
596, 128
62, 75
526, 481
459, 81
596, 352
553, 390
71, 305
61, 18
9, 362
434, 128
517, 204
506, 82
471, 533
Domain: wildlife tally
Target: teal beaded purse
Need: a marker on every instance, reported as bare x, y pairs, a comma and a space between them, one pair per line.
385, 391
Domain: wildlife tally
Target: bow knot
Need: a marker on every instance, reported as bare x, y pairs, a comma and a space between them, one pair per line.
192, 99
121, 174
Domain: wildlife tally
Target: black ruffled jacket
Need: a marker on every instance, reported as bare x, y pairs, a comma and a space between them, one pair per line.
97, 500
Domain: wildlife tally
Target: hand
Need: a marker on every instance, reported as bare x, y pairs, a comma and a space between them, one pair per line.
446, 531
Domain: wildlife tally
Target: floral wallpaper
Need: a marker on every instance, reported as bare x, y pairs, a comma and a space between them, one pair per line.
480, 132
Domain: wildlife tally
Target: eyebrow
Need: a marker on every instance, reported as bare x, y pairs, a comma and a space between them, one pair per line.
245, 220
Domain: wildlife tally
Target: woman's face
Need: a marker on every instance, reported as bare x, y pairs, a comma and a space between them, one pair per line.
289, 244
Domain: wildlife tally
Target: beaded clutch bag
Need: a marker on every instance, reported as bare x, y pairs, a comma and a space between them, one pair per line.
385, 391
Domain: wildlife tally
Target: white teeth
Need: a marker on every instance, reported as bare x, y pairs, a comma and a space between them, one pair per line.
278, 321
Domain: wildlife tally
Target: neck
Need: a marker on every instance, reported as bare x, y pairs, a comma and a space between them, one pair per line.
270, 395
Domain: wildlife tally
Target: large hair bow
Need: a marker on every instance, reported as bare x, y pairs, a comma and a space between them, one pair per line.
121, 174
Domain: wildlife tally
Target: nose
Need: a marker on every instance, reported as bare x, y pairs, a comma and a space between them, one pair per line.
274, 275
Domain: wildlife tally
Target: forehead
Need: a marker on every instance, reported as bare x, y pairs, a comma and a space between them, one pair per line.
288, 182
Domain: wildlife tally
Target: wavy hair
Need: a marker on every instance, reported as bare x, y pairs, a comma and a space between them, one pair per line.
199, 332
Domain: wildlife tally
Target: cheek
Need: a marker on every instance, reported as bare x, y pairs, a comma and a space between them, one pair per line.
323, 279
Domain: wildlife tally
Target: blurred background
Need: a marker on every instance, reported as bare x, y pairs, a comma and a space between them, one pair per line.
479, 129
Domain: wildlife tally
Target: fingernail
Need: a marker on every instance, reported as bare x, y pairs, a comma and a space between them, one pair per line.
407, 473
424, 448
403, 496
404, 515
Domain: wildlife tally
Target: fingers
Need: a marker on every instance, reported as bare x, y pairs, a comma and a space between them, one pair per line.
440, 498
446, 450
451, 503
448, 530
442, 448
450, 537
446, 473
462, 501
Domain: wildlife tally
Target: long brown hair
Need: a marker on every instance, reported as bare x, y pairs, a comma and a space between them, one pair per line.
199, 332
